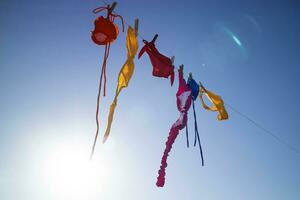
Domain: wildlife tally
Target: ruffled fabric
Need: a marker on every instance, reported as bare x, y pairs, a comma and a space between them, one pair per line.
184, 101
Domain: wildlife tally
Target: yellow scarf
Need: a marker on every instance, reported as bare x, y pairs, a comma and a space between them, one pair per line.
125, 73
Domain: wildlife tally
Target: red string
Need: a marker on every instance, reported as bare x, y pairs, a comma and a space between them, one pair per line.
99, 9
104, 87
98, 101
111, 17
122, 20
104, 66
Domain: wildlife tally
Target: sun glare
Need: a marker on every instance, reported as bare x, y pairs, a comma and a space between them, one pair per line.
69, 173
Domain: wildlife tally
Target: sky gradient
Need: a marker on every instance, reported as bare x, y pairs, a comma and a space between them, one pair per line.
245, 51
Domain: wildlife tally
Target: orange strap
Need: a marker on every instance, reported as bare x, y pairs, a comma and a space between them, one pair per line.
103, 73
119, 16
110, 15
99, 9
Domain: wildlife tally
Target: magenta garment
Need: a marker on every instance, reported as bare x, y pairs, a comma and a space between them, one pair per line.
184, 101
162, 65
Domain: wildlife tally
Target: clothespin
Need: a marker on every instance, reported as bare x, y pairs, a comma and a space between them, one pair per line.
136, 26
152, 41
190, 75
173, 59
154, 38
181, 67
202, 88
200, 84
112, 7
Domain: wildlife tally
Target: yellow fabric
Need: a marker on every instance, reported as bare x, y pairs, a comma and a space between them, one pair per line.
125, 74
217, 103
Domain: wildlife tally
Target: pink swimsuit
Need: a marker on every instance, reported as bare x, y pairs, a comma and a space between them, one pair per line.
184, 101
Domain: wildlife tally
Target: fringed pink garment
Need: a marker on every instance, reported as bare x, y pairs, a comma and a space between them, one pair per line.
184, 101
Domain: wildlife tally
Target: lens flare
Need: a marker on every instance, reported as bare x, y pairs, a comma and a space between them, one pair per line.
233, 36
237, 41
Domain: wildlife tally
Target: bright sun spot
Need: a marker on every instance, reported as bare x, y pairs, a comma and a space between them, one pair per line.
236, 40
68, 173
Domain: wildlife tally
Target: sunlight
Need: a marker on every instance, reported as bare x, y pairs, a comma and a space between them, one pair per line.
68, 172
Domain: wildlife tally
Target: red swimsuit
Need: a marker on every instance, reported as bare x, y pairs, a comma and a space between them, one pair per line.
162, 65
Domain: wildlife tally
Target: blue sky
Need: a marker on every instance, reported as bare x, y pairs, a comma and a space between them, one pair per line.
49, 71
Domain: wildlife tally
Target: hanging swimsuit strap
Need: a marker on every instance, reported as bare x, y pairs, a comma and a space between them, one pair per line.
118, 16
187, 136
100, 9
110, 15
197, 137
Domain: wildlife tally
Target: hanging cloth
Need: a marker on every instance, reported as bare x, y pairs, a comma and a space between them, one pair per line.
125, 73
104, 33
217, 103
193, 85
162, 65
184, 101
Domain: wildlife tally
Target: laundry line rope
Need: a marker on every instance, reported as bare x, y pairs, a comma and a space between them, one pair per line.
259, 126
265, 130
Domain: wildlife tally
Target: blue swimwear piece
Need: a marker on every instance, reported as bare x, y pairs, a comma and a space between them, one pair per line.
194, 86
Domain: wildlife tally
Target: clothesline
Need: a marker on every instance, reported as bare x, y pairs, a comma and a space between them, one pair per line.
262, 128
138, 34
124, 20
280, 140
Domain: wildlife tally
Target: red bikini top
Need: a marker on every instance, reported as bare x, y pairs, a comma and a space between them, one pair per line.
105, 30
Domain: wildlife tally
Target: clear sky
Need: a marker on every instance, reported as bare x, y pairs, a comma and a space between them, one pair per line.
246, 51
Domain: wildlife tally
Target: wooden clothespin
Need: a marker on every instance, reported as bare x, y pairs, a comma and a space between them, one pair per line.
172, 59
136, 26
154, 38
181, 67
201, 87
152, 41
112, 7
